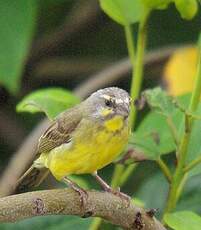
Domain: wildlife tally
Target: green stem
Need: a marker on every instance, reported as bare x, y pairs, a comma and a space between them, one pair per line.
165, 169
197, 87
118, 170
127, 172
130, 43
137, 74
181, 185
183, 147
192, 164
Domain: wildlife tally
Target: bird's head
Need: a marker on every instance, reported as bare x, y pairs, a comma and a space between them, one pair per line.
109, 102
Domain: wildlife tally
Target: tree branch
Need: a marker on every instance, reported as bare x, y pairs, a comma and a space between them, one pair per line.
67, 202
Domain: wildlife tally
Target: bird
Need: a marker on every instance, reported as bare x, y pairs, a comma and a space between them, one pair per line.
82, 140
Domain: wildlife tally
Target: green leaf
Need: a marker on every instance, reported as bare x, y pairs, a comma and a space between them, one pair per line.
191, 195
146, 145
51, 101
187, 8
17, 24
123, 11
49, 223
154, 126
156, 4
155, 183
153, 136
194, 148
184, 220
159, 101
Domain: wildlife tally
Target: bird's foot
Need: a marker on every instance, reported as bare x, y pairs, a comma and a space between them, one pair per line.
107, 188
82, 193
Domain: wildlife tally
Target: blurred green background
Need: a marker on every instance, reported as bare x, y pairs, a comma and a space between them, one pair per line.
63, 43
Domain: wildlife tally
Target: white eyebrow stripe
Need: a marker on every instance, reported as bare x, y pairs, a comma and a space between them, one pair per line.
105, 96
119, 101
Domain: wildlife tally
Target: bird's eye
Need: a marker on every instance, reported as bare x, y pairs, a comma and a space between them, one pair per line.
108, 102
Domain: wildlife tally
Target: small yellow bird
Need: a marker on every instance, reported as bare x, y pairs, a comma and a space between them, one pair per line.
82, 140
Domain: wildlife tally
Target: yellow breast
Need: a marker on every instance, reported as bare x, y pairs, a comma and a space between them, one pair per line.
92, 148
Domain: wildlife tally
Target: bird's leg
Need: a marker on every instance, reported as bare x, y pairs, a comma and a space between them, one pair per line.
107, 188
82, 193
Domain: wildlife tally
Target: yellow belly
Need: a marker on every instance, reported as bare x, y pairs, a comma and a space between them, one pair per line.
89, 150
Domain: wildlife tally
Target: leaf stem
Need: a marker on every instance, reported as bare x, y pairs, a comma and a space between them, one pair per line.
127, 172
118, 170
137, 74
130, 43
181, 185
178, 178
165, 169
192, 164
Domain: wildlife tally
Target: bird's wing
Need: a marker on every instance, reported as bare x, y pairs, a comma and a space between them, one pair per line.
60, 130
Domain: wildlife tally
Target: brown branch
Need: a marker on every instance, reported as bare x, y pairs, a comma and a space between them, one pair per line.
67, 202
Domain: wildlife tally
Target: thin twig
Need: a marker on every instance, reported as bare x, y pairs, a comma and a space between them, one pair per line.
165, 169
193, 163
67, 202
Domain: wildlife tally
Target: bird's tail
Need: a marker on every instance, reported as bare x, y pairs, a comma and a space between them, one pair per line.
33, 177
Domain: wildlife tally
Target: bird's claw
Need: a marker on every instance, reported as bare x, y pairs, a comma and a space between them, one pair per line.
82, 194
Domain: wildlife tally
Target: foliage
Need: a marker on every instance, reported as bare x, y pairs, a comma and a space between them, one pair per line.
183, 220
123, 11
17, 25
127, 11
51, 101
